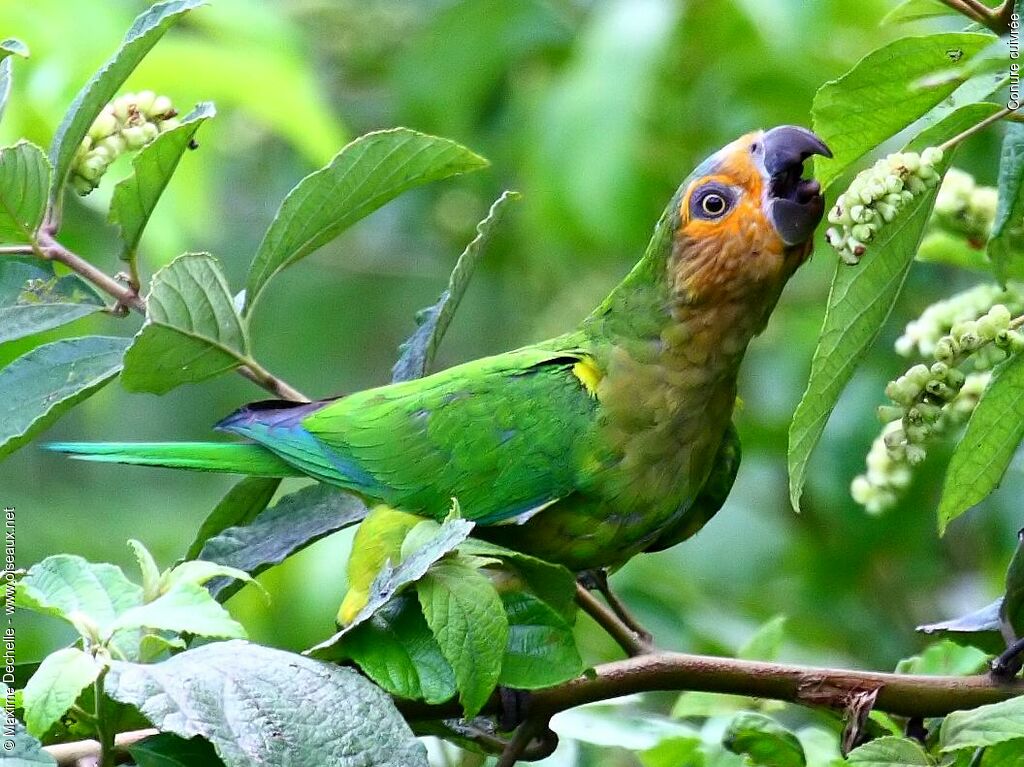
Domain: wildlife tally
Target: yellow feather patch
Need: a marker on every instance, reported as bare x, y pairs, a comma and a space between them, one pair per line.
589, 374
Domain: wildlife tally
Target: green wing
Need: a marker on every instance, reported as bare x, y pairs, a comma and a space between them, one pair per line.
500, 434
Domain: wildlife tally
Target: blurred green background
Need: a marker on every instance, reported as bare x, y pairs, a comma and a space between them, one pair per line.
594, 111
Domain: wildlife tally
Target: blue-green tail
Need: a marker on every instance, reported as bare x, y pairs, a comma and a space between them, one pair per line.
226, 457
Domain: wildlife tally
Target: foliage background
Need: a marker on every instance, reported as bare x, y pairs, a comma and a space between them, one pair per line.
594, 111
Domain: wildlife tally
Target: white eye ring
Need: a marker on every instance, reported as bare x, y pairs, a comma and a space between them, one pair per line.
713, 204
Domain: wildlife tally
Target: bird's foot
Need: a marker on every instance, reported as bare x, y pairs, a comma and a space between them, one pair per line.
597, 580
515, 705
1008, 665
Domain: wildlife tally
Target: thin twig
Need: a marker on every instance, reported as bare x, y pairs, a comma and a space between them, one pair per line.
70, 754
626, 637
946, 146
963, 7
16, 250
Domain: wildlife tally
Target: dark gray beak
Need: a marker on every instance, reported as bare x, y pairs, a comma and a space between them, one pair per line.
794, 205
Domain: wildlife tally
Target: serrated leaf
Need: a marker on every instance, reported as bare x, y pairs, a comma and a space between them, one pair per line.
168, 750
148, 568
993, 433
136, 196
417, 353
185, 608
466, 616
763, 741
983, 726
912, 10
34, 299
391, 580
24, 179
890, 751
397, 651
1007, 239
860, 301
294, 522
766, 641
541, 649
8, 48
46, 382
192, 331
945, 658
55, 687
877, 99
147, 29
240, 506
980, 628
65, 585
257, 705
363, 176
25, 750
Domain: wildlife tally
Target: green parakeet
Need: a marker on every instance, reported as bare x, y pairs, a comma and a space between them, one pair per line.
585, 449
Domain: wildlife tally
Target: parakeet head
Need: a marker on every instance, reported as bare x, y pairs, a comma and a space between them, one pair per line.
744, 219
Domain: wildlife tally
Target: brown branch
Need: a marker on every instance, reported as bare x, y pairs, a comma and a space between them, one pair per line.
71, 754
907, 695
128, 299
629, 640
996, 19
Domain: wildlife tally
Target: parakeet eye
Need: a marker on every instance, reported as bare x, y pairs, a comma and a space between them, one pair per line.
711, 202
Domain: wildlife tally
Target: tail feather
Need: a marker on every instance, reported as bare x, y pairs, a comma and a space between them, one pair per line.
226, 457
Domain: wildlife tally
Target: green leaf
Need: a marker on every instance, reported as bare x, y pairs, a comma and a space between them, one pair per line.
34, 299
257, 705
192, 331
397, 651
1011, 615
294, 522
24, 178
466, 616
983, 726
1007, 239
912, 10
199, 572
240, 506
153, 647
1009, 753
554, 584
391, 580
185, 608
945, 658
989, 443
136, 196
541, 649
8, 47
168, 750
980, 628
55, 687
877, 98
417, 353
674, 752
859, 303
890, 752
763, 741
25, 751
43, 384
766, 641
148, 568
66, 586
363, 176
148, 27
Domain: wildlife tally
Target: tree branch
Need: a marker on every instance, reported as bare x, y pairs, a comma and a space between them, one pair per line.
996, 19
632, 643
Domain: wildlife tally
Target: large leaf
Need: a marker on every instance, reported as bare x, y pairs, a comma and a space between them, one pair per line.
362, 177
418, 351
763, 741
1007, 240
148, 27
541, 649
33, 299
8, 47
294, 522
137, 195
192, 331
859, 303
257, 705
983, 726
55, 687
42, 385
890, 751
879, 97
186, 608
168, 750
466, 616
25, 751
240, 506
993, 434
397, 651
24, 178
391, 580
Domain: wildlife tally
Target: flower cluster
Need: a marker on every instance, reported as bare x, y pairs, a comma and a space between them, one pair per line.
923, 334
128, 123
963, 207
876, 196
